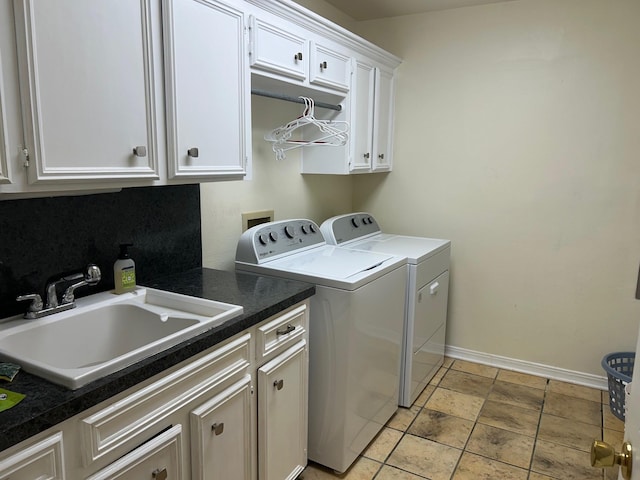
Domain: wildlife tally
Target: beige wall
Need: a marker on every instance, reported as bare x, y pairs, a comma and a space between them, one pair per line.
518, 137
275, 185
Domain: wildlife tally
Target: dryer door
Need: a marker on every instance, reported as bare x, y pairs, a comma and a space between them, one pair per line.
431, 310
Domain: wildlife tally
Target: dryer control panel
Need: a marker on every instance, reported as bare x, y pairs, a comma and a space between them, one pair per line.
344, 228
274, 239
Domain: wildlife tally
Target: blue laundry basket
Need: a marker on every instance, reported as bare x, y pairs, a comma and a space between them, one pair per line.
619, 368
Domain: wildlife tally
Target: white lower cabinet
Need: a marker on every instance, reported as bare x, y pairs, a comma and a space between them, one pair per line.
204, 419
221, 437
40, 459
282, 415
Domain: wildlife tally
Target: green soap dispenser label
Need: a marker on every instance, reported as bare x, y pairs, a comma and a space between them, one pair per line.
128, 277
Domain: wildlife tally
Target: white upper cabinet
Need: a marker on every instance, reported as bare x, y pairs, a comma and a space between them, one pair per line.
278, 51
207, 89
4, 140
88, 93
329, 68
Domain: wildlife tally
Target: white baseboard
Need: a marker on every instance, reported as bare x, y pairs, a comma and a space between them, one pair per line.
538, 369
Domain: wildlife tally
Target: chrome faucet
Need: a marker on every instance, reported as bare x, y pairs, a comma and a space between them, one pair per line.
91, 276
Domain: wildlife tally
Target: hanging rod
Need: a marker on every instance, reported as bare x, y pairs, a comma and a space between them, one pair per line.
287, 98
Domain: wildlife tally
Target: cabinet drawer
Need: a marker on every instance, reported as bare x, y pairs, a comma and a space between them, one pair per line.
329, 68
281, 332
160, 457
41, 460
128, 421
277, 50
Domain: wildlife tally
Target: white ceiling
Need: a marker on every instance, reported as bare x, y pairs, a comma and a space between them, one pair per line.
371, 9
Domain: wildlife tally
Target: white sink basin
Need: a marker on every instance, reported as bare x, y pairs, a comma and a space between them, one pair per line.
107, 332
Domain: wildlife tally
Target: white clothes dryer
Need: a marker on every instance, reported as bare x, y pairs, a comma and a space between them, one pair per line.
355, 331
426, 298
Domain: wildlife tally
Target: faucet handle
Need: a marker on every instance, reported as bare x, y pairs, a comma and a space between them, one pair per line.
36, 301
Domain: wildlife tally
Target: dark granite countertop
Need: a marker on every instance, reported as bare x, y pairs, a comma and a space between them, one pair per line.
47, 404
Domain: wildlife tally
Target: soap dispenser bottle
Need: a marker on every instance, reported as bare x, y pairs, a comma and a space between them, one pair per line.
124, 270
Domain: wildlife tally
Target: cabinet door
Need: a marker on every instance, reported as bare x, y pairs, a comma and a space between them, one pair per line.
159, 458
88, 98
207, 89
329, 68
40, 460
221, 440
282, 415
362, 98
4, 147
383, 121
278, 51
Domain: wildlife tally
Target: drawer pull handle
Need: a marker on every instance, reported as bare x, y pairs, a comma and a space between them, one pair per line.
298, 56
158, 474
433, 289
217, 428
140, 151
278, 384
323, 66
193, 152
285, 331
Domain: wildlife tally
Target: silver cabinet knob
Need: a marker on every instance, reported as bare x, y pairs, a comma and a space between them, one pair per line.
323, 65
217, 428
367, 155
278, 384
381, 156
140, 151
158, 474
193, 152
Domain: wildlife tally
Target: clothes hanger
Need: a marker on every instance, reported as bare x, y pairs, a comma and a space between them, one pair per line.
333, 133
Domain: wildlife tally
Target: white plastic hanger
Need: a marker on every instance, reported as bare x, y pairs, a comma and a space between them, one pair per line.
333, 133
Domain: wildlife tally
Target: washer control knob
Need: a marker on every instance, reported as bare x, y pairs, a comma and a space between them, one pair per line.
364, 221
369, 220
312, 228
273, 236
288, 230
263, 239
354, 222
304, 229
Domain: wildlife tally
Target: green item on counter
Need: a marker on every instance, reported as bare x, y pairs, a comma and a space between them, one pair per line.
9, 399
8, 371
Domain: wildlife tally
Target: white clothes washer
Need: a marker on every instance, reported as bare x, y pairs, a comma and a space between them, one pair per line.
355, 331
427, 292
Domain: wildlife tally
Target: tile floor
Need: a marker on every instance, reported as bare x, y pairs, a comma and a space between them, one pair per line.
474, 422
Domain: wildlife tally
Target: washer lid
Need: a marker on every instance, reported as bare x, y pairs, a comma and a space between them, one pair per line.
330, 266
416, 249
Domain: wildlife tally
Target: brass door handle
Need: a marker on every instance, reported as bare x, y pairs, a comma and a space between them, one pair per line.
604, 455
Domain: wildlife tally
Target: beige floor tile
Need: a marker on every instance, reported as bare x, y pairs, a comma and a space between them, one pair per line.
517, 395
563, 463
475, 368
424, 457
522, 379
537, 476
362, 469
438, 376
424, 396
381, 446
392, 473
442, 428
475, 467
573, 408
610, 421
509, 417
605, 396
572, 390
448, 361
455, 403
403, 418
467, 383
501, 445
568, 432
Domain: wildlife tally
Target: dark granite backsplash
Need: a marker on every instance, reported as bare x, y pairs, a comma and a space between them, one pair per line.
43, 237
